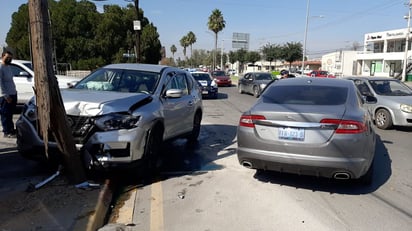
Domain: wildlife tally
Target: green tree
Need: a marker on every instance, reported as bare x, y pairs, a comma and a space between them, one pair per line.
173, 49
151, 45
216, 24
291, 52
184, 43
271, 52
84, 37
191, 39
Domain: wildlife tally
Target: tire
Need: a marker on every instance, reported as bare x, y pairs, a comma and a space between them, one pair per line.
383, 119
256, 91
152, 149
192, 138
240, 89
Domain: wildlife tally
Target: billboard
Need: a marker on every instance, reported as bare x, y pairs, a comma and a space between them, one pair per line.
240, 41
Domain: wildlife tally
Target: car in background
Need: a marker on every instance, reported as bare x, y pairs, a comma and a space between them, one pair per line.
121, 114
231, 72
207, 84
393, 100
221, 78
309, 126
23, 76
254, 82
322, 74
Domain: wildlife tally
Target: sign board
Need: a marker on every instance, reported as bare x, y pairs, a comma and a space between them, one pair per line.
136, 25
240, 41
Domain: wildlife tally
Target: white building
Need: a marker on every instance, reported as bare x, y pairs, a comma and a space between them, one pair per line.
340, 63
382, 55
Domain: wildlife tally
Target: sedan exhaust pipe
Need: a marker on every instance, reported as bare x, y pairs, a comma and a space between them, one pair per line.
246, 164
341, 176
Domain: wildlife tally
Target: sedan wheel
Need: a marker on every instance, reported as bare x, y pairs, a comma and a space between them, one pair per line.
256, 91
383, 119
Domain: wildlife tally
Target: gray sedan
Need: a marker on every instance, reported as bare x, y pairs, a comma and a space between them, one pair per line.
309, 126
393, 100
254, 82
121, 113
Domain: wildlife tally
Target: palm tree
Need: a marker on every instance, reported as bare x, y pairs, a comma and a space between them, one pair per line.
216, 24
184, 44
191, 39
173, 49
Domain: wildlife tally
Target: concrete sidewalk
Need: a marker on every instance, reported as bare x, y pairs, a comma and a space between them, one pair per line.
57, 205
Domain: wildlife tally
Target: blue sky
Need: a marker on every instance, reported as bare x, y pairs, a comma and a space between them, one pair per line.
342, 22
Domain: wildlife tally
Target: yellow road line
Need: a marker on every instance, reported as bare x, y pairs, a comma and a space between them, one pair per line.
156, 207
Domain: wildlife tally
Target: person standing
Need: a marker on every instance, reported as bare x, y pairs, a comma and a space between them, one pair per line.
8, 100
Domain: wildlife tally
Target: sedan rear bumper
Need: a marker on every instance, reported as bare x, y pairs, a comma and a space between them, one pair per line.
303, 164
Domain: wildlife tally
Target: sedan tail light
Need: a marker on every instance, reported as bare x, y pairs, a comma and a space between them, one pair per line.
247, 120
346, 126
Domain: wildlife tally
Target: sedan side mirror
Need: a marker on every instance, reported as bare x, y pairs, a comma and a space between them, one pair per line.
370, 99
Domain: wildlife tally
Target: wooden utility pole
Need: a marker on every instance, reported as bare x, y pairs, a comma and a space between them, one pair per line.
50, 108
138, 49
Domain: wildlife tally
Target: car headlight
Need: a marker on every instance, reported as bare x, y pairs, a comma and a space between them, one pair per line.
406, 108
117, 121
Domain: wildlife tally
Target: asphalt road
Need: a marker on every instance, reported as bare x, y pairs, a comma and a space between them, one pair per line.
205, 188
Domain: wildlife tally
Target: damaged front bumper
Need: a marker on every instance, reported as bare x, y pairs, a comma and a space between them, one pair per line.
98, 148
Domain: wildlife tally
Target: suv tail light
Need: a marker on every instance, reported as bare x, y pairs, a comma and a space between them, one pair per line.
346, 126
247, 120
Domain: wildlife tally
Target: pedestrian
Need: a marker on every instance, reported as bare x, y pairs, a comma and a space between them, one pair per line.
284, 74
8, 97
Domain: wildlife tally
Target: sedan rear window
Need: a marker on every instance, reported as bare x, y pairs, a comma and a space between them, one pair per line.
305, 95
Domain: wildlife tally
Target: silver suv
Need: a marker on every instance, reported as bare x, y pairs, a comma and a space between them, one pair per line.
122, 113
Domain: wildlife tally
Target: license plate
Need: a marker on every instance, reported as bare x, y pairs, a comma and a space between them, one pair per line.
291, 134
205, 92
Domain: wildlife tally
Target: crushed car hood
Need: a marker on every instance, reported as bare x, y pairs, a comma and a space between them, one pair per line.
92, 103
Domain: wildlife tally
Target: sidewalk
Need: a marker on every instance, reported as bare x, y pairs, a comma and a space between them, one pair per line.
57, 205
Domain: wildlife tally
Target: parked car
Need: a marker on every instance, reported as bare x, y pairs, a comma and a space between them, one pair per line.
309, 126
121, 113
23, 76
207, 83
322, 74
221, 78
254, 82
393, 100
231, 72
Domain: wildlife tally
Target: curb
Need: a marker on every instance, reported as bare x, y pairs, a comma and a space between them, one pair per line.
94, 218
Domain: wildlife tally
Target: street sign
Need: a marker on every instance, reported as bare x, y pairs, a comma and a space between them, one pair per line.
136, 25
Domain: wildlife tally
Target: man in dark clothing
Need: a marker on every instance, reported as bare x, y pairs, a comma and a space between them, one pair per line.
8, 97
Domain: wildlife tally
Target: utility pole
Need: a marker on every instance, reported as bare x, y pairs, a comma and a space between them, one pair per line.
138, 50
408, 31
50, 108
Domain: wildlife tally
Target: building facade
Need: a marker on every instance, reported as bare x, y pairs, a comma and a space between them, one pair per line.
384, 53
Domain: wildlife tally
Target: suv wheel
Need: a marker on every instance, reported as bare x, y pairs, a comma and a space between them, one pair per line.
152, 149
196, 128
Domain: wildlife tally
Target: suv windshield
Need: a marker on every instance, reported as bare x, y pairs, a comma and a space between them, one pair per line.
120, 80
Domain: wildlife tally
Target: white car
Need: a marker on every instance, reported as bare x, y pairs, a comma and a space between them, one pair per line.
23, 76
